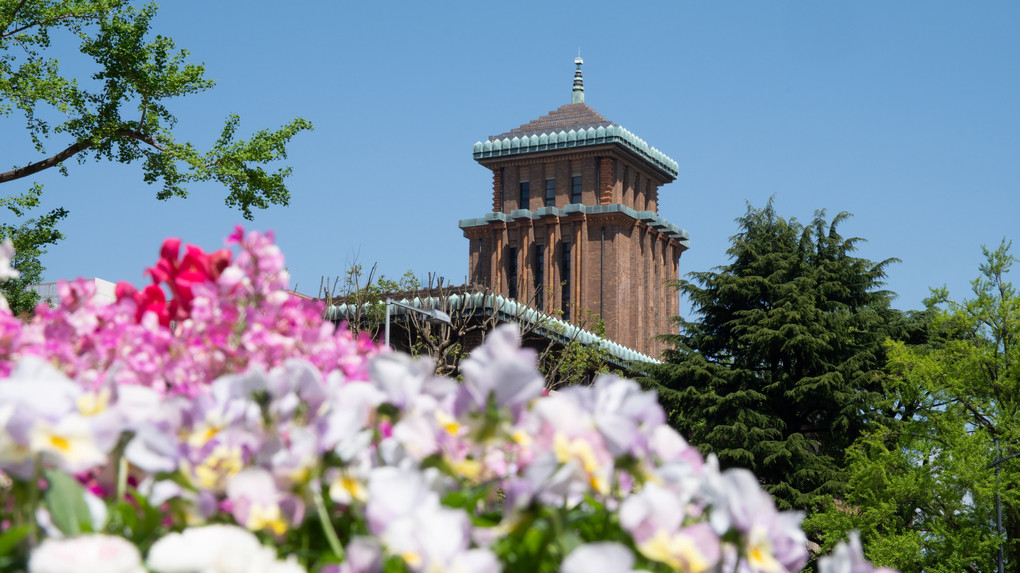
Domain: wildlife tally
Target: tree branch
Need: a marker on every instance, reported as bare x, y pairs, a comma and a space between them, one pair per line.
34, 23
72, 150
13, 14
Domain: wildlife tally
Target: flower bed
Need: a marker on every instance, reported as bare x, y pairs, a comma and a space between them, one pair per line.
227, 427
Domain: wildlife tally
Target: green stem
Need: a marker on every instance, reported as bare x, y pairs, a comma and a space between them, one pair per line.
327, 525
122, 475
33, 502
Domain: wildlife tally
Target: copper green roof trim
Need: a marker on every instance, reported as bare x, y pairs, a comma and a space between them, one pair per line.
509, 310
534, 143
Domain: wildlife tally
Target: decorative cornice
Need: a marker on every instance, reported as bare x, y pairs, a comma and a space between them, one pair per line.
507, 147
611, 212
577, 153
476, 232
613, 219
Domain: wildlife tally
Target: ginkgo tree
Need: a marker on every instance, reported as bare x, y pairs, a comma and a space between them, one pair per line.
922, 486
122, 112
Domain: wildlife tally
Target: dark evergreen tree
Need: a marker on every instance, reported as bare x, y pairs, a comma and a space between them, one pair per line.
778, 370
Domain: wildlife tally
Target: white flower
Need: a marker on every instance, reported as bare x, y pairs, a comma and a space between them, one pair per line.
6, 256
848, 557
603, 556
46, 414
86, 554
216, 549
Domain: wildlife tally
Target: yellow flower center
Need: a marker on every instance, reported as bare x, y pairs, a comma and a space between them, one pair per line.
61, 443
266, 517
469, 469
412, 558
759, 551
221, 463
93, 403
678, 551
448, 423
581, 451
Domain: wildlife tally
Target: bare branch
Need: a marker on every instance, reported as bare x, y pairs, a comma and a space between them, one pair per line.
70, 151
38, 166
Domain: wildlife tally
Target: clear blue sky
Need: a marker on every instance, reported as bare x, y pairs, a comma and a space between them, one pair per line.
906, 114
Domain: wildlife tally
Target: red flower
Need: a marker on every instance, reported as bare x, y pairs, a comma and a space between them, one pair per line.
180, 276
151, 298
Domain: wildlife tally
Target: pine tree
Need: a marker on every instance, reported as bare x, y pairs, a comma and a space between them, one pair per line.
778, 370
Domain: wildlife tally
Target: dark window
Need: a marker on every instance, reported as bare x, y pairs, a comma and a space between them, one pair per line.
502, 191
525, 195
511, 271
565, 278
575, 189
550, 192
539, 277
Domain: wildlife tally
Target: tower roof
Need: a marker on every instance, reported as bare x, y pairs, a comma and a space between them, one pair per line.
576, 116
572, 125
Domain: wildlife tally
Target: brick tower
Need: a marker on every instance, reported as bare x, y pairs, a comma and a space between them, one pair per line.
575, 223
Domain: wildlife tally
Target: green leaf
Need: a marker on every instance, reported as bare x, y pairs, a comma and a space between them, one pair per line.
65, 500
395, 565
10, 538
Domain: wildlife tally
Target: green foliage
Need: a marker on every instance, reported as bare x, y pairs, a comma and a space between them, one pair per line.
576, 363
9, 541
365, 293
779, 370
120, 113
30, 238
65, 501
543, 536
136, 519
922, 486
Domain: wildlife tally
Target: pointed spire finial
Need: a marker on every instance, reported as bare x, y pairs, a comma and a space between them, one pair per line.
578, 94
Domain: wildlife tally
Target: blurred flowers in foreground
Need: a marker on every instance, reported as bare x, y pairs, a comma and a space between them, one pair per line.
213, 422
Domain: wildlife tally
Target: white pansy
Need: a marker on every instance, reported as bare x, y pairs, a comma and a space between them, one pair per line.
6, 256
216, 549
86, 554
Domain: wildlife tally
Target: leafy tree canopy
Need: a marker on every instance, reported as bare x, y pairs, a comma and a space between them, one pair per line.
125, 117
778, 369
30, 240
121, 113
922, 487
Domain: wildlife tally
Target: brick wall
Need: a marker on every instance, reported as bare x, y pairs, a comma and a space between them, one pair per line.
621, 277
